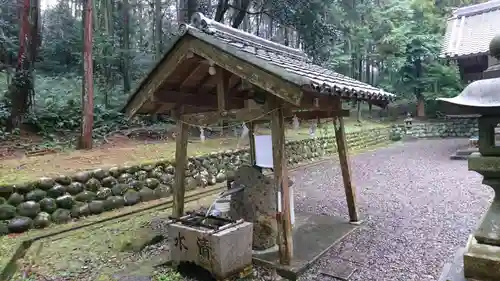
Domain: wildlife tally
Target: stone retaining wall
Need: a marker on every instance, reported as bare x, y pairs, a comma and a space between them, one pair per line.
66, 198
449, 128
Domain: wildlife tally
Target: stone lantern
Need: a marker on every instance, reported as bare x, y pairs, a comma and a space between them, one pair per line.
482, 253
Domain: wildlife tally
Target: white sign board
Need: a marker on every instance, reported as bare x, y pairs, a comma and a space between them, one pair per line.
264, 159
264, 151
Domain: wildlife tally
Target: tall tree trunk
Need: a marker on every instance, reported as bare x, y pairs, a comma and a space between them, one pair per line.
88, 83
126, 47
21, 91
158, 32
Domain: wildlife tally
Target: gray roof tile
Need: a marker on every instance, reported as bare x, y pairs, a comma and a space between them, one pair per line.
292, 61
470, 29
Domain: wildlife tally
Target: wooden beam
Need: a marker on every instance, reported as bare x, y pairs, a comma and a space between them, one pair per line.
285, 243
208, 118
198, 70
309, 115
205, 100
251, 139
181, 142
350, 191
158, 77
247, 71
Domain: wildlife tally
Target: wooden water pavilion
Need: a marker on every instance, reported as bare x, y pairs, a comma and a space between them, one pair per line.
212, 72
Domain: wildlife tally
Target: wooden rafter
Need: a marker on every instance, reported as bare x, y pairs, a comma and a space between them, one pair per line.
196, 72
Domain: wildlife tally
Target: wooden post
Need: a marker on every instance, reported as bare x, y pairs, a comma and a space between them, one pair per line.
285, 242
251, 139
222, 93
88, 82
350, 192
181, 142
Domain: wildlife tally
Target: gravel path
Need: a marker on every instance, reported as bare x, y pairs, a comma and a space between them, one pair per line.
417, 205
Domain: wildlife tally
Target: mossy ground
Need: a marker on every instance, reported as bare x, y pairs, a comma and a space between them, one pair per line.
31, 168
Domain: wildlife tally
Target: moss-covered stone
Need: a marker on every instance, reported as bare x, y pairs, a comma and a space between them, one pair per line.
48, 205
131, 197
109, 181
114, 202
61, 216
170, 169
104, 193
147, 194
80, 209
7, 212
6, 191
141, 175
120, 189
36, 195
63, 180
96, 207
74, 188
152, 183
93, 185
45, 183
162, 191
28, 209
42, 220
85, 196
20, 224
15, 199
65, 201
82, 177
99, 174
114, 172
25, 188
57, 190
125, 178
136, 185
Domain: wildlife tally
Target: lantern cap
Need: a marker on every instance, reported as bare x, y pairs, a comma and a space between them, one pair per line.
495, 47
479, 94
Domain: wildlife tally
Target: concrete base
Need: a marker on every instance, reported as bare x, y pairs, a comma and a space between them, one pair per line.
313, 235
463, 154
481, 261
454, 271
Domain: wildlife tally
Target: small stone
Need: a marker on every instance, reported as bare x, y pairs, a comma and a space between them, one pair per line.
190, 184
136, 185
61, 216
20, 224
120, 189
114, 202
170, 169
56, 191
104, 193
114, 172
132, 197
82, 177
42, 220
80, 210
99, 174
36, 195
45, 183
96, 207
167, 179
65, 201
147, 194
141, 175
221, 177
6, 191
93, 185
48, 205
15, 199
125, 178
85, 196
7, 212
147, 167
74, 188
162, 191
63, 180
152, 183
109, 181
28, 209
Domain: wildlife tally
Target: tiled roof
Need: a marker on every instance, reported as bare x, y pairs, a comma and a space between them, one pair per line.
470, 29
288, 63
